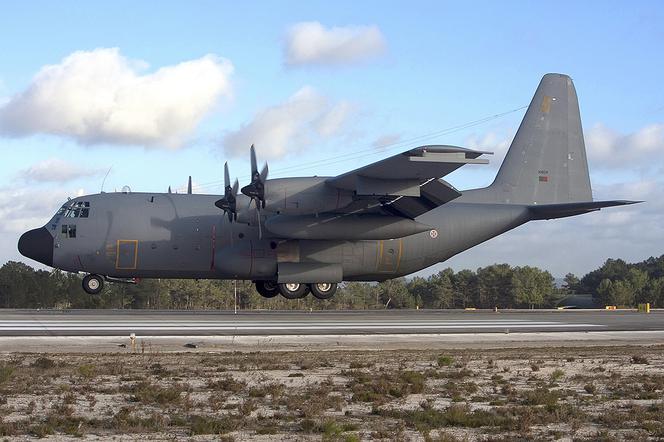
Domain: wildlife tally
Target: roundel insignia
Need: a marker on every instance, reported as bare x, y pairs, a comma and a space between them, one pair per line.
433, 234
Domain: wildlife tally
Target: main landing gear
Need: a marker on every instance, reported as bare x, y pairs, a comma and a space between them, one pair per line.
295, 290
267, 289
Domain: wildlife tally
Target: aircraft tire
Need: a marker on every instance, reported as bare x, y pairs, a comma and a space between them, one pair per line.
293, 290
267, 289
93, 284
323, 290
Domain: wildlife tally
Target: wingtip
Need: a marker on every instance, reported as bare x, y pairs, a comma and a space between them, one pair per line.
626, 202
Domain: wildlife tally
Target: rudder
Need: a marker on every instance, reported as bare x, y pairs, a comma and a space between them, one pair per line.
546, 162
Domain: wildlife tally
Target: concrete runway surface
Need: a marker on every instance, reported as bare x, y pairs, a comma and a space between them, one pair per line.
24, 323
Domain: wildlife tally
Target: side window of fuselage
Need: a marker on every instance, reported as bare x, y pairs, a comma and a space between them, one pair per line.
69, 230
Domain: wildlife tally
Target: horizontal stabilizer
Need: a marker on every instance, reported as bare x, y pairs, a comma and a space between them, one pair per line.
551, 211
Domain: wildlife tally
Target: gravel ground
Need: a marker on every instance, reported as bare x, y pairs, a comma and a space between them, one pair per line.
553, 393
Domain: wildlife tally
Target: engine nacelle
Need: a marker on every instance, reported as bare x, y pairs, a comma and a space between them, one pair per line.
302, 196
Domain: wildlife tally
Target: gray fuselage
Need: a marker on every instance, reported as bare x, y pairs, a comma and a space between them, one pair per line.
165, 235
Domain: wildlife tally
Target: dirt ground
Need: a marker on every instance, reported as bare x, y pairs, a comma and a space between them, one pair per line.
566, 393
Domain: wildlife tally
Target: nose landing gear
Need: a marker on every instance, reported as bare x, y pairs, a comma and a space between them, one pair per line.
93, 284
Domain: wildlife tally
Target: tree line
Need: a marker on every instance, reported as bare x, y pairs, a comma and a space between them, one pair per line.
500, 285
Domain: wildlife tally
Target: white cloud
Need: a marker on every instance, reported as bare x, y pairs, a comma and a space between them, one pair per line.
56, 170
312, 43
385, 141
609, 148
24, 209
493, 141
100, 96
289, 127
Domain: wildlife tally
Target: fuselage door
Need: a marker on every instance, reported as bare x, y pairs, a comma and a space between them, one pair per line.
127, 254
389, 255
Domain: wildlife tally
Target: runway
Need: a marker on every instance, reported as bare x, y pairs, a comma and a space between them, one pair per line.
270, 323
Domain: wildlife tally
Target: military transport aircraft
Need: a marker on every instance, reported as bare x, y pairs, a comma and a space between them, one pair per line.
294, 236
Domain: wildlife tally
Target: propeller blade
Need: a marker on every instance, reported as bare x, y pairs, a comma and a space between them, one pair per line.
255, 190
254, 165
228, 203
264, 173
227, 178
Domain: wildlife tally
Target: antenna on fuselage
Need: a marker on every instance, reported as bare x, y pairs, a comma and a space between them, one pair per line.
169, 189
104, 180
189, 186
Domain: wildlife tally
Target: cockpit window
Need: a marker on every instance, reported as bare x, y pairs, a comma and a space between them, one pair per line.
80, 209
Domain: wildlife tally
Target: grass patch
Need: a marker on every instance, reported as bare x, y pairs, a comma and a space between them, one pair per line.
88, 371
273, 390
210, 425
540, 396
6, 372
43, 363
227, 384
590, 388
445, 360
148, 393
556, 375
428, 418
368, 388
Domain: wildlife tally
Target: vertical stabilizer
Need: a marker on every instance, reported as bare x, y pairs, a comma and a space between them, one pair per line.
546, 162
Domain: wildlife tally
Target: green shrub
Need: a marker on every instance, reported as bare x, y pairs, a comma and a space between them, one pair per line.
445, 361
43, 363
557, 374
88, 371
6, 372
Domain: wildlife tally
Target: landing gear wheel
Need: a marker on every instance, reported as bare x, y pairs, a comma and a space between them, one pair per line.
323, 290
93, 284
267, 289
293, 290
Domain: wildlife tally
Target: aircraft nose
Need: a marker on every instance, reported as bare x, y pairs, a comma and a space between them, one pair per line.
37, 244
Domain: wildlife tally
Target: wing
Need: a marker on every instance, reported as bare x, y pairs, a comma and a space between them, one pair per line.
408, 184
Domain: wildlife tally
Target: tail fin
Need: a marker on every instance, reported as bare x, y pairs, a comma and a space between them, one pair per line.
546, 162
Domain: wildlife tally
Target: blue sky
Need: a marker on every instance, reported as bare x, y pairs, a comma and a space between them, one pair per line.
425, 67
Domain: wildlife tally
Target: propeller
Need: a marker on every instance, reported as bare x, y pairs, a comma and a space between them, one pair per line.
228, 202
256, 189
